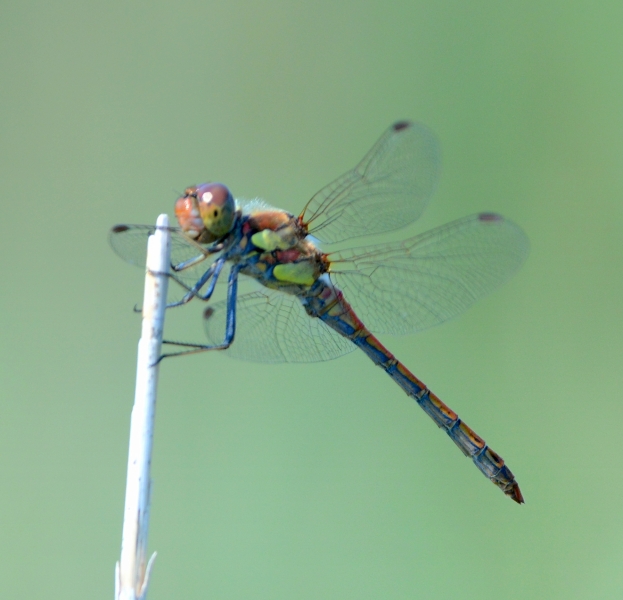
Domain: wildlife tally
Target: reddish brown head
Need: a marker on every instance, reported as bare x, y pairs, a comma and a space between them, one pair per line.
206, 212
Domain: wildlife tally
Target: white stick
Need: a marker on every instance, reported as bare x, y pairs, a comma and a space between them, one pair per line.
132, 570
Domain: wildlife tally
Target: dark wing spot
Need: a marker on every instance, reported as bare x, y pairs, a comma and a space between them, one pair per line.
400, 125
119, 228
490, 217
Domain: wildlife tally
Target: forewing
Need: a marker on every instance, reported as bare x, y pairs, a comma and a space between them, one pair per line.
273, 327
420, 282
130, 243
388, 189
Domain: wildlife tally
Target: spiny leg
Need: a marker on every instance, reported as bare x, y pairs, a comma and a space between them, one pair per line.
230, 326
211, 275
213, 270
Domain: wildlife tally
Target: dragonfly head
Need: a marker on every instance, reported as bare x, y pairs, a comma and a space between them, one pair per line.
206, 212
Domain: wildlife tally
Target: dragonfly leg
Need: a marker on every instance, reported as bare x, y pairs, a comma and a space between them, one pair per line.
218, 267
204, 252
211, 275
192, 291
230, 325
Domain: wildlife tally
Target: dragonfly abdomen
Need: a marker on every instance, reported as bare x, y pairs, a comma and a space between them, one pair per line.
341, 317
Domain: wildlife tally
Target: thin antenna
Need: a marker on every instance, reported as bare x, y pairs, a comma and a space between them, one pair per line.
132, 571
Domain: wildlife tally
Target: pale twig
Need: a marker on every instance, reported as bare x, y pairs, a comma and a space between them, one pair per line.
132, 570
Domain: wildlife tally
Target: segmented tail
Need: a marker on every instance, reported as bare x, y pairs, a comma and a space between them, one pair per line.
340, 316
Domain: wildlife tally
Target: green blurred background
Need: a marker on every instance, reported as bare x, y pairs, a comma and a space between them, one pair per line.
322, 480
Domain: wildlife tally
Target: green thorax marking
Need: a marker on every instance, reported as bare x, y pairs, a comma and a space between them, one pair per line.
283, 246
271, 240
301, 273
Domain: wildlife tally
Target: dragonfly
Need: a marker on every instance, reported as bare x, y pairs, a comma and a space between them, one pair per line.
316, 305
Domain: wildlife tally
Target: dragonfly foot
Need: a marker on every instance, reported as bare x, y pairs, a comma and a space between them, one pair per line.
159, 273
158, 361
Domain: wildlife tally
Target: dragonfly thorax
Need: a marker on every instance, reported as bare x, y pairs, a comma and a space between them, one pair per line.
272, 248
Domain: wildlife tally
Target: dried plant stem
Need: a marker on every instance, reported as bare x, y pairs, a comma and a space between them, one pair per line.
132, 570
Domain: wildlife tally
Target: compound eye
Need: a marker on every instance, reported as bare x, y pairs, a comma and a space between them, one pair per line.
217, 208
188, 215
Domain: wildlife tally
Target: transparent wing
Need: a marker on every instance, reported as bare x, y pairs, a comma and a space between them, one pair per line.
273, 327
130, 243
388, 189
420, 282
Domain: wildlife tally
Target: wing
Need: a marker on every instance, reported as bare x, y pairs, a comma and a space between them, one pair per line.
420, 282
388, 189
130, 243
273, 327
